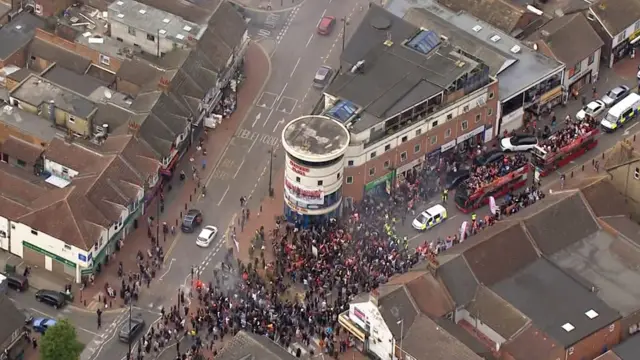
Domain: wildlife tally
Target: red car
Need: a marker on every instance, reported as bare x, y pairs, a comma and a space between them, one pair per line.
326, 24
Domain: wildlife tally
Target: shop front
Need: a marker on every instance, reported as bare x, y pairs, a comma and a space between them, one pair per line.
357, 335
310, 206
551, 98
469, 140
625, 47
405, 169
381, 186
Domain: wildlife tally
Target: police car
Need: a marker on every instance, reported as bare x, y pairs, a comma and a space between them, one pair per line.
430, 218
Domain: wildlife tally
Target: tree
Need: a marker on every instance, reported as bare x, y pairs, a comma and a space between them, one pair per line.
60, 342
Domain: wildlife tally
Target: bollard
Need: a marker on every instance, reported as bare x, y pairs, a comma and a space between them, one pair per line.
603, 156
572, 174
85, 302
195, 190
180, 215
190, 197
177, 219
593, 161
185, 206
582, 167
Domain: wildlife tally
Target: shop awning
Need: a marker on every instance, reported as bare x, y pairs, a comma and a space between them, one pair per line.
352, 328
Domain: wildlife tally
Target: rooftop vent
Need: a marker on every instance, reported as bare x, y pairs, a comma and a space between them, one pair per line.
515, 49
357, 67
380, 23
180, 37
186, 28
477, 28
495, 38
142, 11
568, 327
166, 21
74, 19
544, 33
591, 16
162, 31
18, 27
388, 43
120, 16
591, 314
120, 3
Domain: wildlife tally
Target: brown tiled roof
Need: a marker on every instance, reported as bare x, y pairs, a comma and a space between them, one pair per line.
138, 72
74, 157
499, 13
617, 15
549, 227
496, 313
605, 199
531, 344
21, 150
609, 355
430, 295
501, 256
425, 340
60, 56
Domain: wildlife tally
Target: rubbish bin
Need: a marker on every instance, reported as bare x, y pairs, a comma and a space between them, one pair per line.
10, 269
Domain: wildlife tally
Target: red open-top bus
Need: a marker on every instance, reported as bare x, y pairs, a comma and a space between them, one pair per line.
547, 162
467, 199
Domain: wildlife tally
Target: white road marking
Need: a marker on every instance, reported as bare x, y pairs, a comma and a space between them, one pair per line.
223, 195
168, 269
309, 41
239, 167
321, 16
256, 120
278, 123
252, 144
294, 68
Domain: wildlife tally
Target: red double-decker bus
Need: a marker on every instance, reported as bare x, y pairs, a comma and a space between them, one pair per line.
547, 161
469, 198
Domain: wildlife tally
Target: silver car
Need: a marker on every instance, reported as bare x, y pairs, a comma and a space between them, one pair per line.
614, 95
322, 77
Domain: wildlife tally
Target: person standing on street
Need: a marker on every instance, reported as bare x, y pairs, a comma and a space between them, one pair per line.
99, 313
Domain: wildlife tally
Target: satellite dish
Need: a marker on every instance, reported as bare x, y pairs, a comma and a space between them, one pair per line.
107, 94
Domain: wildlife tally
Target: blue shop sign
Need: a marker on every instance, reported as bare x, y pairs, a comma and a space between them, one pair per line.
82, 258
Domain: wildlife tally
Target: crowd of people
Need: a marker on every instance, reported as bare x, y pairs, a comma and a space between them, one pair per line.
482, 175
573, 129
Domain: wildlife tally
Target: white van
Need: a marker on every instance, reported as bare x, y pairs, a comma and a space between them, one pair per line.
621, 113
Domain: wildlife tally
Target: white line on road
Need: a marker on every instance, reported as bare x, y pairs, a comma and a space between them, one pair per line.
309, 41
225, 194
321, 16
294, 68
168, 269
239, 167
278, 123
251, 147
256, 120
283, 89
268, 116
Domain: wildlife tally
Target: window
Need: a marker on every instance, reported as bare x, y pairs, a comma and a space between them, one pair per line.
434, 139
373, 154
131, 30
387, 147
104, 60
434, 124
403, 156
72, 119
465, 125
21, 163
491, 95
636, 174
38, 9
416, 148
637, 26
297, 178
592, 58
418, 132
575, 70
350, 163
67, 247
404, 139
489, 111
621, 37
387, 164
34, 232
478, 118
349, 179
449, 116
465, 108
372, 171
338, 176
151, 38
447, 133
320, 182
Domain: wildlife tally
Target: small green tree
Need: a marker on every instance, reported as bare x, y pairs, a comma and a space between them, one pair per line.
60, 342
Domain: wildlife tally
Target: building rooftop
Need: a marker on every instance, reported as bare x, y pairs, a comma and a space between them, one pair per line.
28, 123
497, 313
563, 308
16, 34
499, 13
248, 346
39, 48
616, 16
38, 91
558, 35
516, 70
198, 12
155, 22
531, 344
315, 138
629, 349
439, 344
81, 84
400, 66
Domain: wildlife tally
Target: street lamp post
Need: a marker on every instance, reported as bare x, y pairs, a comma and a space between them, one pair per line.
345, 22
401, 323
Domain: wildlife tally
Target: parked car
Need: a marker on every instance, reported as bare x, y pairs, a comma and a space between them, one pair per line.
41, 325
322, 77
130, 329
17, 282
520, 142
614, 95
454, 178
192, 219
430, 218
326, 24
206, 236
592, 109
489, 157
51, 298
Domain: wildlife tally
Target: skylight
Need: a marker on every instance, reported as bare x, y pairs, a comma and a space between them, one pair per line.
180, 36
424, 41
120, 3
568, 327
120, 16
166, 21
495, 38
162, 31
142, 11
477, 28
186, 28
591, 314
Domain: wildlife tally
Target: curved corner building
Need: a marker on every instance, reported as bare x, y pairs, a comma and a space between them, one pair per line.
315, 148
